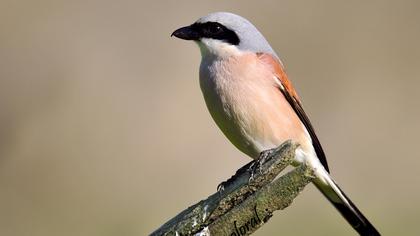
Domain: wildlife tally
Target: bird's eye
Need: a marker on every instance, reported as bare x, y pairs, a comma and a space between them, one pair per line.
214, 29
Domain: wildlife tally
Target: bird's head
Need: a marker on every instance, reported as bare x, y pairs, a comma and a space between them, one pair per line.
223, 34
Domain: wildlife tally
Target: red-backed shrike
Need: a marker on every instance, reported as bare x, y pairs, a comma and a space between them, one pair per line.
255, 105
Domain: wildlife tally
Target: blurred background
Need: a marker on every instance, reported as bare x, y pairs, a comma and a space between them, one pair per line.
104, 131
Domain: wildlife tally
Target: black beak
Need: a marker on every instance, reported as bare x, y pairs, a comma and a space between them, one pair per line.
187, 33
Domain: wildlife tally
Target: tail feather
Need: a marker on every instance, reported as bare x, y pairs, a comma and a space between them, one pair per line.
345, 206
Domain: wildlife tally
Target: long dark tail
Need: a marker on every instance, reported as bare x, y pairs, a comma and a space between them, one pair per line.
345, 206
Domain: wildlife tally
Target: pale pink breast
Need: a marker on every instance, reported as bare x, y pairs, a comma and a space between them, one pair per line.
242, 97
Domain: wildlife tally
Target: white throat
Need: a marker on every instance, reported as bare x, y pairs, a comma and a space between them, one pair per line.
217, 49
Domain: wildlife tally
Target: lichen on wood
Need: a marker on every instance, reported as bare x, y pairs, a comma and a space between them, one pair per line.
247, 200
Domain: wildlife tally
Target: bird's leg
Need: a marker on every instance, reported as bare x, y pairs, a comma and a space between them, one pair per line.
264, 156
256, 165
251, 167
243, 169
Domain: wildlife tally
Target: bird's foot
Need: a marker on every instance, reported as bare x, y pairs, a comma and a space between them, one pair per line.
256, 165
221, 186
264, 156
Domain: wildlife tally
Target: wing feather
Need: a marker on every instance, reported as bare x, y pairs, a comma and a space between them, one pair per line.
292, 97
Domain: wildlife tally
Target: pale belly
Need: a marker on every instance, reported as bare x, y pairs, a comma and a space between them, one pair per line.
248, 108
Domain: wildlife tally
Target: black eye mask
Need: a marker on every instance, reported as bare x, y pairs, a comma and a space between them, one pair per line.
215, 30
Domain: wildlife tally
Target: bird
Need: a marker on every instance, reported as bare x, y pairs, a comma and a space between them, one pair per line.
253, 102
